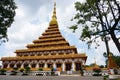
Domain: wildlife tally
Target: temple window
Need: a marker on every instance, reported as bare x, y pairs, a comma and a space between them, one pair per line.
32, 55
50, 65
33, 65
58, 65
53, 54
61, 53
18, 65
41, 65
25, 65
5, 66
25, 55
11, 65
46, 54
39, 54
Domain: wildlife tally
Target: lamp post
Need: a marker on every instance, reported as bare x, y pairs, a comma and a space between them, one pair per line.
106, 39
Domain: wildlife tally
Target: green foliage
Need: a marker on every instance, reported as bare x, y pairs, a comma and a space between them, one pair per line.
81, 71
2, 71
101, 66
117, 59
7, 13
27, 69
98, 19
22, 69
105, 77
97, 70
15, 68
40, 69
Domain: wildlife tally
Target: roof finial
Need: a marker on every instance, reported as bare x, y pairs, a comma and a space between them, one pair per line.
54, 18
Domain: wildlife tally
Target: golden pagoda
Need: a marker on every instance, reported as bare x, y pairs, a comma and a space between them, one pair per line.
50, 49
111, 62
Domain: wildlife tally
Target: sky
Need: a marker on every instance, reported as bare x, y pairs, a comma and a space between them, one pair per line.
32, 19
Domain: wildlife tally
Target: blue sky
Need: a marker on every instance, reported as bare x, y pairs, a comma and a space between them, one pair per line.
32, 19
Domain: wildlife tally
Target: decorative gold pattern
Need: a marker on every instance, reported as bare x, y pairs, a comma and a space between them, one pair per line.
47, 44
46, 49
46, 57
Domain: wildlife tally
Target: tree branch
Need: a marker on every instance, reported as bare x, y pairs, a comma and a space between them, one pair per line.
117, 5
105, 18
111, 9
116, 22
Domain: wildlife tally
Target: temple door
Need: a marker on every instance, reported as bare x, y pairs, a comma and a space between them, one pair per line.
68, 66
58, 65
78, 66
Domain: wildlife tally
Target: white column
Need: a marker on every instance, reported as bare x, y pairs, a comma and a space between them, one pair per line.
2, 66
22, 66
54, 65
37, 65
45, 66
8, 66
29, 65
73, 66
63, 66
15, 65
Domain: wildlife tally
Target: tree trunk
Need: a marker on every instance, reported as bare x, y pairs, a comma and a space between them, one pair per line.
115, 40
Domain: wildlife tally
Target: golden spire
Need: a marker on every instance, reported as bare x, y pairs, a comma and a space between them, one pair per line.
54, 18
111, 62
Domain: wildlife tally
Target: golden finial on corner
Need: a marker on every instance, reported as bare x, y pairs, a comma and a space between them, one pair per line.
54, 18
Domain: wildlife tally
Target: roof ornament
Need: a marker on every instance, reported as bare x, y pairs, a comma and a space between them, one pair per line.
54, 18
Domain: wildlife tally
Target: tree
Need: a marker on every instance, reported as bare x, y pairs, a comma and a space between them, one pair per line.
98, 19
7, 13
101, 66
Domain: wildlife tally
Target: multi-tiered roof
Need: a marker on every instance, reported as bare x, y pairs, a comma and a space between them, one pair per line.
48, 46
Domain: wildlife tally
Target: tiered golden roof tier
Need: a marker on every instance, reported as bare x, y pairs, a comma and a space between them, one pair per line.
72, 56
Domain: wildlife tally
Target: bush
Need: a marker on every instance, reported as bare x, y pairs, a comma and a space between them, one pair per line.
22, 69
27, 69
96, 72
40, 69
2, 72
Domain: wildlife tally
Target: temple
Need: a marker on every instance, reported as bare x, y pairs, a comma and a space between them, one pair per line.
49, 50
